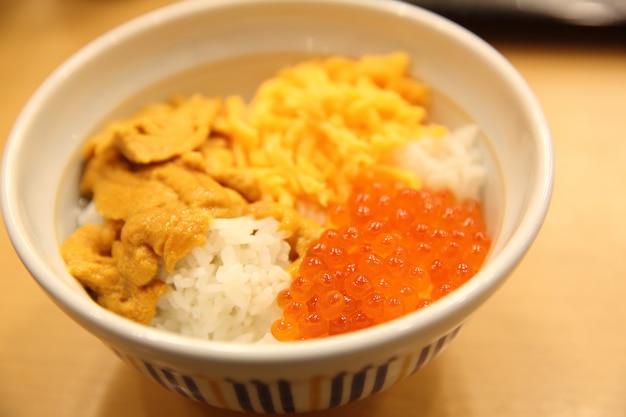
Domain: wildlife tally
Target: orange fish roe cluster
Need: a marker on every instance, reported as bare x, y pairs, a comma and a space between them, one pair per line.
392, 250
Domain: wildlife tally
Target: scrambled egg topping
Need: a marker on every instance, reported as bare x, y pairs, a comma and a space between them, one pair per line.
160, 176
323, 114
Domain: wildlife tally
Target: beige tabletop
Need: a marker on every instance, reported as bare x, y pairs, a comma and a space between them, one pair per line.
552, 342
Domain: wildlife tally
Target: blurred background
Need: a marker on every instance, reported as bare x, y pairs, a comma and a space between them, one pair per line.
550, 343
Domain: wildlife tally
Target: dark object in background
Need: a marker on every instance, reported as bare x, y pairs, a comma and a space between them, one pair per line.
597, 22
574, 12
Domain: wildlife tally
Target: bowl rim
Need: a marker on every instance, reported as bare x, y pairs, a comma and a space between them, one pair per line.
426, 320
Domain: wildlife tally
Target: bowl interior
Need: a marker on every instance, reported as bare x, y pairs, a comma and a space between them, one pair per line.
223, 47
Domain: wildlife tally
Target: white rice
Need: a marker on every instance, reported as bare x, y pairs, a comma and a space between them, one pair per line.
226, 290
454, 162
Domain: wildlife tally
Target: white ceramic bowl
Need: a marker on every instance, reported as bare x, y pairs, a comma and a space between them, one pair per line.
229, 46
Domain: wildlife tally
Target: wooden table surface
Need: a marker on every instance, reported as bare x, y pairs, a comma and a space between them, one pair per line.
552, 342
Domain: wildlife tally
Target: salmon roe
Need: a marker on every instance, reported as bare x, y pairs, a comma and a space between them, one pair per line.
391, 250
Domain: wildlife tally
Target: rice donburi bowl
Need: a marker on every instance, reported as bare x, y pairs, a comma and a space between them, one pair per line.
275, 377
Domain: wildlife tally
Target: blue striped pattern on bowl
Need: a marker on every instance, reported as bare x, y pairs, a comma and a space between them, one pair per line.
283, 396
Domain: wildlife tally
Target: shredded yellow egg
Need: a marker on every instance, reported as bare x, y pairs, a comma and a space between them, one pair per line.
311, 129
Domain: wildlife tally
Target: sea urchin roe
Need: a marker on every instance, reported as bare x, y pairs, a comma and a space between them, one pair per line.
392, 250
